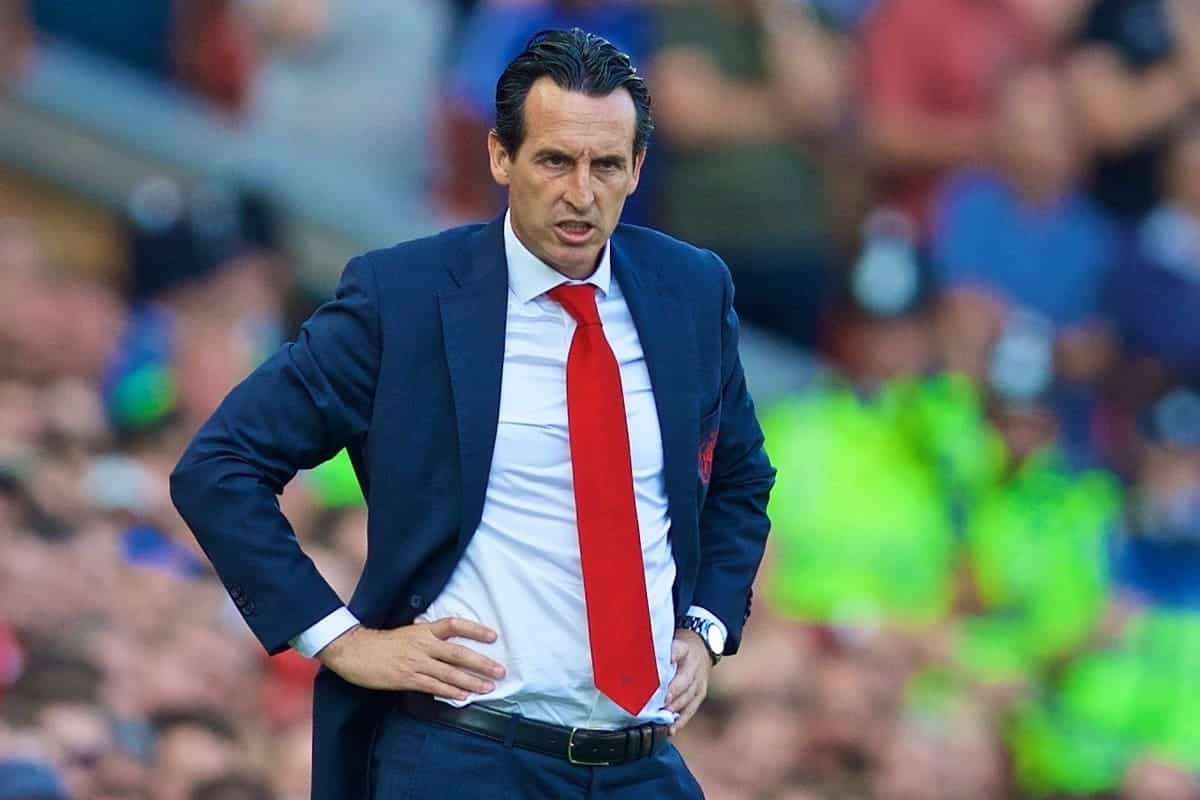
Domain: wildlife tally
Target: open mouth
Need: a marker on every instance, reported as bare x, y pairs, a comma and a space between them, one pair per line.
573, 232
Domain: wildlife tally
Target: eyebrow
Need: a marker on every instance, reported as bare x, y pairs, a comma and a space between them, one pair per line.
613, 158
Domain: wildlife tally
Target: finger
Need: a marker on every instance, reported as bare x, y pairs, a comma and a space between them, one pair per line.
461, 656
683, 697
448, 627
457, 678
428, 685
684, 676
686, 715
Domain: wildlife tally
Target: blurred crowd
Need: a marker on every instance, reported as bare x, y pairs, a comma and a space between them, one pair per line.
974, 223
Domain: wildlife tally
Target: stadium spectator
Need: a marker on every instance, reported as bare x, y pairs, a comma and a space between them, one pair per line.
191, 747
865, 434
201, 45
1154, 290
233, 787
353, 84
1022, 234
929, 69
80, 738
495, 32
52, 323
1135, 73
1035, 534
744, 92
16, 36
1134, 695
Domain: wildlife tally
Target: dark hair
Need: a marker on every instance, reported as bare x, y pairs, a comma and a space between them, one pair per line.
215, 723
577, 61
233, 787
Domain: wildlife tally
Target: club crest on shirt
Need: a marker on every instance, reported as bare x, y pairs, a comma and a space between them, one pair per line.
706, 457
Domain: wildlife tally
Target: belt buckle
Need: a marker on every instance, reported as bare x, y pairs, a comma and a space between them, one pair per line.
571, 754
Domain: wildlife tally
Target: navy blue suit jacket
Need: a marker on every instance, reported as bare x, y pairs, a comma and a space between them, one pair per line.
403, 369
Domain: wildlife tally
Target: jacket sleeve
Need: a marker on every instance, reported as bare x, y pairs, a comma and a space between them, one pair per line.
733, 521
310, 399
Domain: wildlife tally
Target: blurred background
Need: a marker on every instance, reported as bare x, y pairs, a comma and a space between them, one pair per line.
965, 236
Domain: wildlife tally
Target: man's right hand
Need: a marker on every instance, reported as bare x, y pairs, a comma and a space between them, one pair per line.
415, 658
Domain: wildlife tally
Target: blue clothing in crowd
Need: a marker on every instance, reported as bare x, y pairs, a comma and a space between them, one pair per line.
135, 32
1053, 260
1154, 295
1160, 571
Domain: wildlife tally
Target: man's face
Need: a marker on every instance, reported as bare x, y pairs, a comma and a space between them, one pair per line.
187, 756
1025, 430
568, 181
1037, 132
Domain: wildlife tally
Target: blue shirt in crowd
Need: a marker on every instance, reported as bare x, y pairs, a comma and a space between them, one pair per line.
1053, 260
1161, 572
1155, 294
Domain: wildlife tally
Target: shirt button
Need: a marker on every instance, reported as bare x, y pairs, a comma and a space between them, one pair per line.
415, 601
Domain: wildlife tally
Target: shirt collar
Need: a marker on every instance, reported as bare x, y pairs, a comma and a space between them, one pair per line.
529, 277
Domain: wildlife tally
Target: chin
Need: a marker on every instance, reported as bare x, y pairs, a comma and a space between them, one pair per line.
573, 258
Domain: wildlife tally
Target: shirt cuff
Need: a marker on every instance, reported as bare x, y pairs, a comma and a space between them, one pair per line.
704, 613
316, 638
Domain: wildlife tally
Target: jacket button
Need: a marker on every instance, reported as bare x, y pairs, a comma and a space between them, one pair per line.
415, 601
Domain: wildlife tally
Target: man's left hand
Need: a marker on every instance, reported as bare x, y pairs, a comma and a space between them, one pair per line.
690, 685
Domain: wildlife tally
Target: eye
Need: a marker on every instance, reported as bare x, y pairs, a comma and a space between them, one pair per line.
554, 162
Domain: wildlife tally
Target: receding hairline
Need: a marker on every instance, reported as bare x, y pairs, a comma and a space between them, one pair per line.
548, 84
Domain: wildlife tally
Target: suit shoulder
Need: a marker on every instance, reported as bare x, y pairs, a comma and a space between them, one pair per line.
424, 256
678, 260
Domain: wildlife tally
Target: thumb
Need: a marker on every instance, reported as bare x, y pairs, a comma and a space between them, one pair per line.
678, 651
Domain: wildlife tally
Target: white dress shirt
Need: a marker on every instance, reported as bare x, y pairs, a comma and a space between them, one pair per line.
520, 574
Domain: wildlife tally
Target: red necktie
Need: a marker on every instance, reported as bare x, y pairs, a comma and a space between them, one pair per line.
610, 545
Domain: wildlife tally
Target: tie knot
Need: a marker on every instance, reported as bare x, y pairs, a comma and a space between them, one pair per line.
579, 299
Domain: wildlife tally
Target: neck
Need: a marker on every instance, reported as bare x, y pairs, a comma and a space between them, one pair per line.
1037, 191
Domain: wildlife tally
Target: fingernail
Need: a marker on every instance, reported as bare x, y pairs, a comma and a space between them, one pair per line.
488, 686
498, 672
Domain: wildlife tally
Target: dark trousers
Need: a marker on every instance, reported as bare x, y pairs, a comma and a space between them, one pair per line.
417, 760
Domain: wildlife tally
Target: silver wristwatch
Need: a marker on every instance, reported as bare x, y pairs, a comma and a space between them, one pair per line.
710, 633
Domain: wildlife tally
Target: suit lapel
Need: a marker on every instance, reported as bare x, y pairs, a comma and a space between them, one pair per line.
474, 312
664, 327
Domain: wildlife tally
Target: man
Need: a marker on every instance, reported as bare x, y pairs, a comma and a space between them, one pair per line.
885, 426
1135, 74
1022, 233
558, 557
1133, 692
750, 95
1034, 532
191, 747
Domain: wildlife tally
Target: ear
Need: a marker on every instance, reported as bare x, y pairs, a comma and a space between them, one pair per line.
499, 160
639, 158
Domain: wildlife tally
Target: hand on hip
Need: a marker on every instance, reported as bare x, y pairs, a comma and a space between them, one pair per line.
416, 658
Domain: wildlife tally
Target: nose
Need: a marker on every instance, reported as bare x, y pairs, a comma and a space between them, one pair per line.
579, 195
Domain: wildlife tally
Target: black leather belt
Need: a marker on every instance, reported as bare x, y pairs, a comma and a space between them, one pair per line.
582, 746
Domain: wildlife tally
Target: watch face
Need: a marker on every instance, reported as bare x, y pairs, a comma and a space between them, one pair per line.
716, 642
